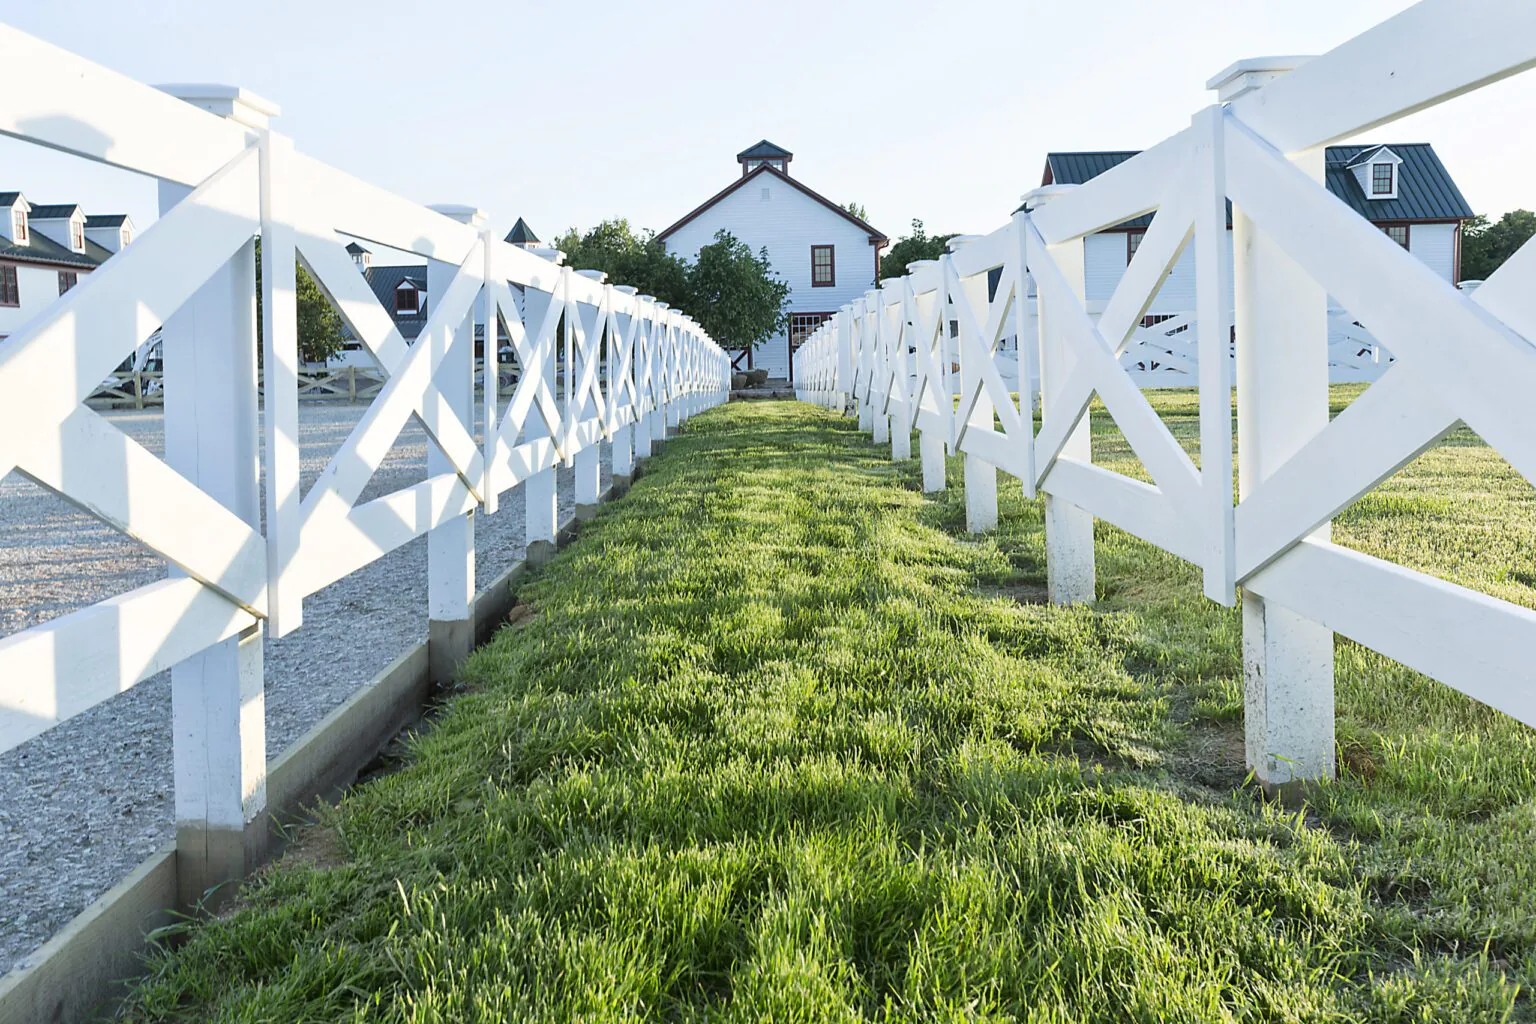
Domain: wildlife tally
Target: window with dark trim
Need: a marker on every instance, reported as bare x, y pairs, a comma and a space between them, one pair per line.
407, 300
1132, 243
10, 294
67, 280
823, 267
803, 325
1381, 179
1398, 233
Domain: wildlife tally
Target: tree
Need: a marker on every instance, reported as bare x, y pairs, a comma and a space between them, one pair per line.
857, 209
1485, 246
919, 245
735, 295
320, 326
639, 260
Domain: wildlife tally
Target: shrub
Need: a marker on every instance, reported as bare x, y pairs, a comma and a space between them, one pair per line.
758, 377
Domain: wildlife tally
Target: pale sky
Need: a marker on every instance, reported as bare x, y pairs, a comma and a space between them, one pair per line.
567, 114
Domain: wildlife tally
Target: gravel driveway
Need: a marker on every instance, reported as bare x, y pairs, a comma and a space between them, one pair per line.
81, 805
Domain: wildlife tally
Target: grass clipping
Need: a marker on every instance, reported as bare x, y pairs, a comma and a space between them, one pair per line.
779, 745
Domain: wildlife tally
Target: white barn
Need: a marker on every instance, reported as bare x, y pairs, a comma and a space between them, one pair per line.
45, 250
1402, 188
827, 255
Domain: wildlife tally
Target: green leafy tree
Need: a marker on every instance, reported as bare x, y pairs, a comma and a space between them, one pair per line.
1485, 245
919, 245
320, 326
857, 209
628, 257
735, 295
732, 292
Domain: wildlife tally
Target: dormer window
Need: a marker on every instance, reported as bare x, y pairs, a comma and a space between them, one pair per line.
125, 236
19, 226
1381, 179
407, 299
77, 235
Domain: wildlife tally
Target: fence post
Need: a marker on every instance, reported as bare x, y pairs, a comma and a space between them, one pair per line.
1069, 556
899, 373
351, 385
929, 308
864, 365
218, 703
1282, 388
662, 375
980, 475
645, 371
621, 352
451, 546
540, 509
587, 462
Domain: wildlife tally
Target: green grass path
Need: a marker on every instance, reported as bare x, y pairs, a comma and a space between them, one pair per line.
777, 743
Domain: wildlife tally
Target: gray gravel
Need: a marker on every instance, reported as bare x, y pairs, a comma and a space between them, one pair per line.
81, 805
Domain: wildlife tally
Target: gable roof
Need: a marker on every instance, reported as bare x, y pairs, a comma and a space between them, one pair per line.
522, 234
8, 199
1425, 190
765, 150
55, 211
876, 236
385, 280
106, 220
353, 249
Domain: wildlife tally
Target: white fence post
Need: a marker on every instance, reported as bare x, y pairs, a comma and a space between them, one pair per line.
1282, 383
645, 376
980, 475
587, 462
896, 332
218, 698
451, 546
1069, 558
621, 377
540, 509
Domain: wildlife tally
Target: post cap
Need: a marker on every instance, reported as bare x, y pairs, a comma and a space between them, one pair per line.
1245, 76
954, 244
553, 255
231, 101
471, 215
1038, 197
627, 289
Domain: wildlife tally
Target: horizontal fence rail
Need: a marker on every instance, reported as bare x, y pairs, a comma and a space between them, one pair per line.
583, 363
966, 349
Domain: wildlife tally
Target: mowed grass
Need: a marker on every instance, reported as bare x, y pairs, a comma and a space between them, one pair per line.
778, 743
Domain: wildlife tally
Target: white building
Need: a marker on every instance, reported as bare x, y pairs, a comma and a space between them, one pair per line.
45, 250
1403, 188
827, 255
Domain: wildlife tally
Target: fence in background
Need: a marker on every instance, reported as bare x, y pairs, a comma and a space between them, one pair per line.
630, 368
1460, 358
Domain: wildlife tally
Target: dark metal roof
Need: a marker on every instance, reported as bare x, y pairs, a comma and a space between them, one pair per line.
522, 234
9, 198
353, 249
42, 249
384, 281
765, 150
55, 211
1425, 190
105, 220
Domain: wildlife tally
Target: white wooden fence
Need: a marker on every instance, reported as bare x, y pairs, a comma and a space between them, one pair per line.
631, 368
1459, 358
